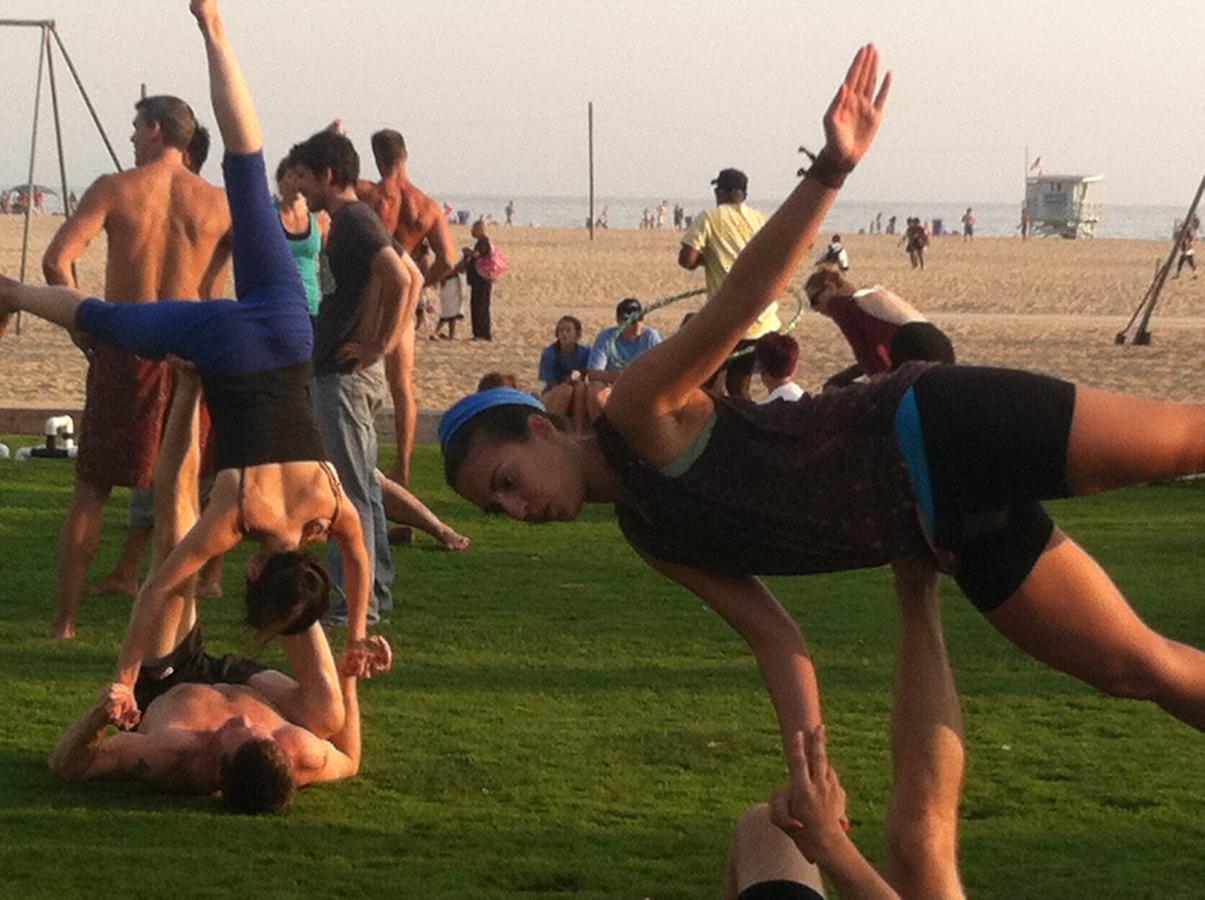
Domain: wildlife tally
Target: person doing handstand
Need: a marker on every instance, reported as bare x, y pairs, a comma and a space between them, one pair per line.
253, 355
210, 723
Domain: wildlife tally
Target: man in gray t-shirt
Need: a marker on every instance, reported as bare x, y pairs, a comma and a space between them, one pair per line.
373, 300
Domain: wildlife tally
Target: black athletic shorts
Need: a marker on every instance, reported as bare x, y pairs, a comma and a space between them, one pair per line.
922, 341
779, 890
996, 443
190, 664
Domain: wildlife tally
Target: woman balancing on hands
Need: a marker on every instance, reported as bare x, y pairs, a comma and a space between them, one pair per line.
942, 464
253, 356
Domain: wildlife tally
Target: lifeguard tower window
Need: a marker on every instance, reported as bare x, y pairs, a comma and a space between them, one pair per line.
1059, 205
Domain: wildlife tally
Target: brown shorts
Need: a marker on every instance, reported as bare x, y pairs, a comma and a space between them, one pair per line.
124, 414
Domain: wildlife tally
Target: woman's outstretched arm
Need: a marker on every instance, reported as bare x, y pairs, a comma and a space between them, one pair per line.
232, 104
661, 380
747, 605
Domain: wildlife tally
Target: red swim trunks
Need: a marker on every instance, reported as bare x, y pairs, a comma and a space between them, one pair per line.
124, 414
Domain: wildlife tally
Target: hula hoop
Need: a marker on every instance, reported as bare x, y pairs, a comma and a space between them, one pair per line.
619, 362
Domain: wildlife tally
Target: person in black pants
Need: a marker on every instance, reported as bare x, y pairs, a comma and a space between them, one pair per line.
480, 287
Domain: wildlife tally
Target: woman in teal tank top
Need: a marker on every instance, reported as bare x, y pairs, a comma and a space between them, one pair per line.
306, 233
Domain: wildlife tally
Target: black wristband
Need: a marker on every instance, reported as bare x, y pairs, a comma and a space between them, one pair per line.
828, 171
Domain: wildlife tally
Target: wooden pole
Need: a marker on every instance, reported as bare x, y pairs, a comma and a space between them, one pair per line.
84, 94
33, 150
1142, 337
590, 129
58, 139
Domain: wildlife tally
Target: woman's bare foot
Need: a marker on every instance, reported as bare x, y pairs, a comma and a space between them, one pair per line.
453, 540
63, 631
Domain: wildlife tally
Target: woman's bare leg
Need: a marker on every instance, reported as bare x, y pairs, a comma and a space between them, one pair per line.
928, 756
402, 506
232, 104
1118, 440
1069, 614
54, 304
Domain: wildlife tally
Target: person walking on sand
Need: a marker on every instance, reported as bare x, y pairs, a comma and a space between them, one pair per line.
915, 241
1187, 256
968, 225
168, 233
510, 212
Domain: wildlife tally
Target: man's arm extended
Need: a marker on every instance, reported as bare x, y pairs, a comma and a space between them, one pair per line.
74, 235
84, 752
342, 757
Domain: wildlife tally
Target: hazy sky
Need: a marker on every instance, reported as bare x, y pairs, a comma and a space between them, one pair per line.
491, 96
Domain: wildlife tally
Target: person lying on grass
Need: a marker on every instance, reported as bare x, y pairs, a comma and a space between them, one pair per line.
254, 355
205, 735
780, 848
943, 464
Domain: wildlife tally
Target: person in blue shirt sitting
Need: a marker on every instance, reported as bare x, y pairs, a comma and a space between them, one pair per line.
563, 366
613, 349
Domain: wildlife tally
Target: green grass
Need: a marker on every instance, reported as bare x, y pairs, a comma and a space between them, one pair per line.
561, 721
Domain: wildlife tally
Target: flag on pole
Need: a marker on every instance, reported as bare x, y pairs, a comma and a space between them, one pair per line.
1037, 166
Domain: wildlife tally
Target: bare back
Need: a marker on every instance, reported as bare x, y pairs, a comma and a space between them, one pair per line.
164, 226
409, 215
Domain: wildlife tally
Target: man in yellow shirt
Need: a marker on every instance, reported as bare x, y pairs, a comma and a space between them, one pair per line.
714, 241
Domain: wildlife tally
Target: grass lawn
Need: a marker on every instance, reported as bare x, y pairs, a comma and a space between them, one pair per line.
560, 720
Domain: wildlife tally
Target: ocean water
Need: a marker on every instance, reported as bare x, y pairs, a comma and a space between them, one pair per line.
991, 219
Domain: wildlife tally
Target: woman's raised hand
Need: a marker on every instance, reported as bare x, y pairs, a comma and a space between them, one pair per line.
854, 115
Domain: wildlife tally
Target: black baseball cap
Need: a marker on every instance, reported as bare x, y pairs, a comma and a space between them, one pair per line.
627, 307
731, 180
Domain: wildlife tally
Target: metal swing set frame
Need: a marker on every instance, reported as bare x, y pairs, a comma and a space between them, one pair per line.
49, 39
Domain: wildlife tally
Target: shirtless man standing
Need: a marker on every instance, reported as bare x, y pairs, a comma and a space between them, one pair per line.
168, 233
411, 217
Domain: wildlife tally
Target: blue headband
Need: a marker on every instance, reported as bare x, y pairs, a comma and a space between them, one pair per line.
468, 407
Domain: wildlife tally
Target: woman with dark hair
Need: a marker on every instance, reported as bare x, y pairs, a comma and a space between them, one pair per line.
945, 465
253, 358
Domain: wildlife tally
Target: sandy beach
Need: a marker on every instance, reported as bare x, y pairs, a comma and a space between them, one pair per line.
1050, 305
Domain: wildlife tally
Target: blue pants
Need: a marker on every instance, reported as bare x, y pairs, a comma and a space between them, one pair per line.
266, 328
346, 408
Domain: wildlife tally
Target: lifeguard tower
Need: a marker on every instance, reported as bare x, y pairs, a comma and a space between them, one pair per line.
1059, 205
